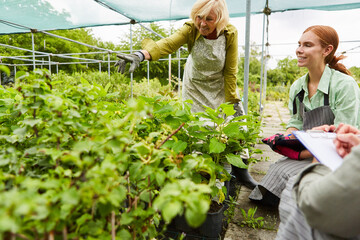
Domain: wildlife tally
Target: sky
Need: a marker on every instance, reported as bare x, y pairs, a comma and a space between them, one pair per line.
284, 30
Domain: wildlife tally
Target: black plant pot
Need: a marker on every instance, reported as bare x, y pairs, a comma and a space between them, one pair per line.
212, 227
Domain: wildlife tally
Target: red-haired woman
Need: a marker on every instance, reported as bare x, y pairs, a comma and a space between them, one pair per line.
327, 94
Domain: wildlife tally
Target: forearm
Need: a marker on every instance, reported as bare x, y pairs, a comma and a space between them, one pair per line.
146, 54
230, 71
305, 154
166, 45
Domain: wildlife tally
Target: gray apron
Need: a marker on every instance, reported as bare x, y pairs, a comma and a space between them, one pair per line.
316, 117
203, 81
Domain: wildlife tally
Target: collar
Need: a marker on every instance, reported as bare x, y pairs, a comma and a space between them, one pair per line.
325, 81
323, 84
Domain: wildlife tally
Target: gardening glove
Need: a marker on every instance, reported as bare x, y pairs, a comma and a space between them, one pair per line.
288, 152
134, 59
271, 141
238, 107
293, 153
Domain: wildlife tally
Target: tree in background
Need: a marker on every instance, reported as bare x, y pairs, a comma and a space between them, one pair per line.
286, 72
356, 73
48, 44
254, 69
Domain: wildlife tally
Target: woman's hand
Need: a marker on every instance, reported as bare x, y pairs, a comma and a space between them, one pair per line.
289, 132
346, 139
325, 128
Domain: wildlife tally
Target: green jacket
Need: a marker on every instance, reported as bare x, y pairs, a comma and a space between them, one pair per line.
188, 34
330, 200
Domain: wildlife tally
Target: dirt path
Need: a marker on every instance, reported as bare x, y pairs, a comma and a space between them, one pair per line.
275, 116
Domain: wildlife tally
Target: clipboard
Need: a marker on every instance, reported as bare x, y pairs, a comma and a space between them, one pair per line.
322, 147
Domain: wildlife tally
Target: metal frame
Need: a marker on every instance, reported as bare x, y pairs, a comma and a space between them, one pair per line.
82, 60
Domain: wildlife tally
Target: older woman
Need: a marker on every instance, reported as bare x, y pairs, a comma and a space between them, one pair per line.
327, 94
211, 68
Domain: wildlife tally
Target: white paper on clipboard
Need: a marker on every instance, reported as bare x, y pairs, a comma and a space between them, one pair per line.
321, 146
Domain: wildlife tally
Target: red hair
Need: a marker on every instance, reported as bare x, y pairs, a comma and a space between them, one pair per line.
328, 36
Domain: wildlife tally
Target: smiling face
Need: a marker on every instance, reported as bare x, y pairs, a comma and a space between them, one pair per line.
310, 53
206, 24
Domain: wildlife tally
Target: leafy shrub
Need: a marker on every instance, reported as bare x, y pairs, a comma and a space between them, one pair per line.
78, 161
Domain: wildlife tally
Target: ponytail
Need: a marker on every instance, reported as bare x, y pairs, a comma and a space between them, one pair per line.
334, 64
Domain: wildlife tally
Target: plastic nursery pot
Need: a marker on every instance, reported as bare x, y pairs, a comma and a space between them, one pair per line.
212, 227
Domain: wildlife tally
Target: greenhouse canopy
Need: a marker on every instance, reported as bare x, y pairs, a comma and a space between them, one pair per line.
19, 16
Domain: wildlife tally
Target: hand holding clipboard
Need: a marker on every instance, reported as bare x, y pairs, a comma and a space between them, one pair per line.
347, 137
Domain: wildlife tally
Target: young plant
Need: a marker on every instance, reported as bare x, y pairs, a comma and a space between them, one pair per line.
216, 134
250, 220
230, 212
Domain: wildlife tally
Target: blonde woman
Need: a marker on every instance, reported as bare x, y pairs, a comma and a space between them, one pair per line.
211, 68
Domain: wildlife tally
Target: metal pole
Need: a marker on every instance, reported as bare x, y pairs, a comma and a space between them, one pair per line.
148, 72
170, 69
109, 64
33, 49
15, 70
49, 64
100, 66
262, 63
247, 57
179, 71
131, 49
265, 75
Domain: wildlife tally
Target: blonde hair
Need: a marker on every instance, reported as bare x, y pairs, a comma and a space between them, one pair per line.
203, 8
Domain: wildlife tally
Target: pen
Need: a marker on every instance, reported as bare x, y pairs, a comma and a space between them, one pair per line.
321, 133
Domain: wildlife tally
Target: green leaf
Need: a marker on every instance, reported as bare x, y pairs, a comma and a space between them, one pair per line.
20, 132
141, 148
107, 87
216, 146
235, 160
145, 196
31, 122
232, 130
124, 235
5, 69
165, 109
228, 109
194, 218
8, 224
126, 219
171, 209
117, 196
65, 211
160, 177
179, 146
70, 196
